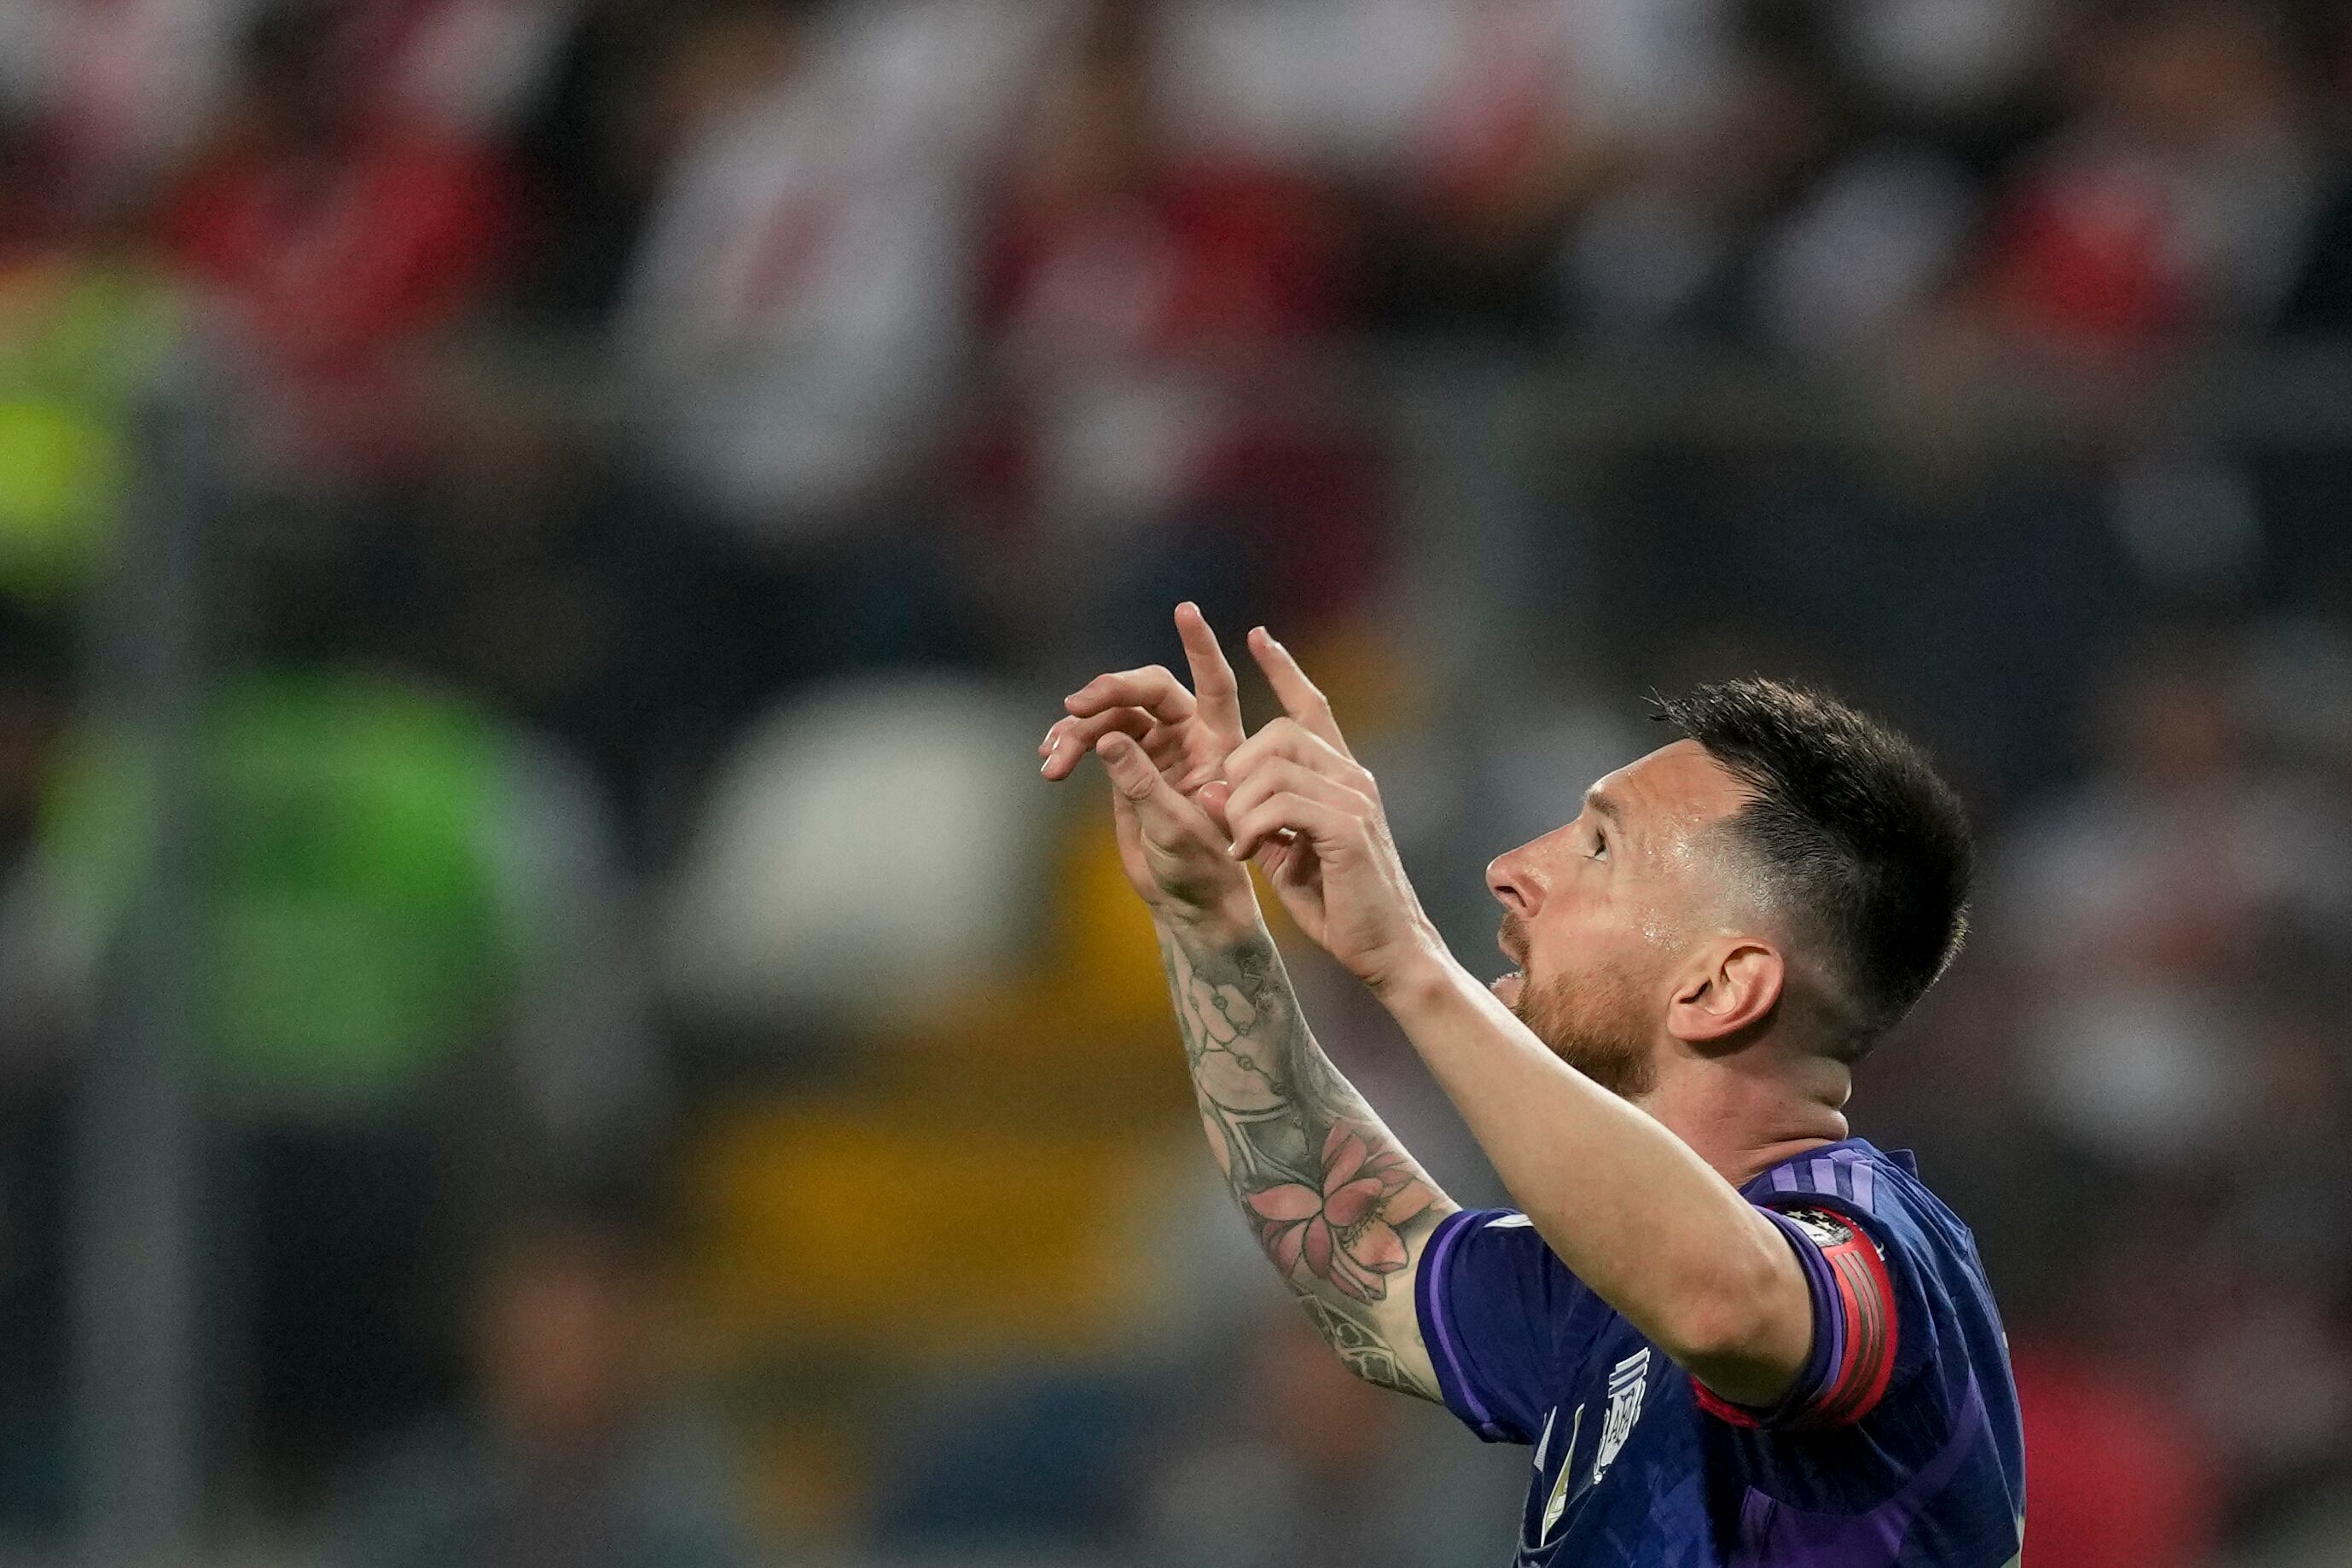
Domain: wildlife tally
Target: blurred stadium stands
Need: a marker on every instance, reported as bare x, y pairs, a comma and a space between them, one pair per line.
543, 1016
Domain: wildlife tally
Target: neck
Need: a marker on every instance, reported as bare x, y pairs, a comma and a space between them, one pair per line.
1746, 1113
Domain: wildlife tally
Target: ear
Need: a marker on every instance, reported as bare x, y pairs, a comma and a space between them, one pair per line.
1734, 987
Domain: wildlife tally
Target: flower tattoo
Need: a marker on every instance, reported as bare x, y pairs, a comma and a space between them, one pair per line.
1345, 1233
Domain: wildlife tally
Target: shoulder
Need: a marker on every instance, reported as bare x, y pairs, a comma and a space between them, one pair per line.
1853, 1183
1475, 1251
1904, 1265
1482, 1262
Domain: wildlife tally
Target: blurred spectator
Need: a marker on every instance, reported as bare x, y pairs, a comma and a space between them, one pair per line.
1151, 301
469, 68
1118, 244
1669, 246
2175, 197
118, 91
332, 230
568, 1456
2135, 902
409, 991
800, 293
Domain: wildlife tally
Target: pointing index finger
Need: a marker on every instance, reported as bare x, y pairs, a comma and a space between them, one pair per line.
1213, 685
1300, 697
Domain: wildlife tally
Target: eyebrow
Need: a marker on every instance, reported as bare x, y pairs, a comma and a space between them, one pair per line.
1601, 803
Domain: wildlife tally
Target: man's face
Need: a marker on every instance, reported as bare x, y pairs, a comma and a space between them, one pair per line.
1596, 913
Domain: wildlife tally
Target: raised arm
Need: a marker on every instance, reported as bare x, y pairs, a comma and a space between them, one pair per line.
1341, 1210
1339, 1207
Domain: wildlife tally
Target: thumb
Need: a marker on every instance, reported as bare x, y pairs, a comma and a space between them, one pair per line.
1131, 772
1211, 799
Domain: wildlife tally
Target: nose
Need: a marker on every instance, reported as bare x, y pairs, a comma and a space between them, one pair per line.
1508, 879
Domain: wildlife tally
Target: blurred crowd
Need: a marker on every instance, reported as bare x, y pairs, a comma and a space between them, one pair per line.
677, 1091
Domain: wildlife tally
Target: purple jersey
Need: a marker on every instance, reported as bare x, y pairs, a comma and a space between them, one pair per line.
1897, 1448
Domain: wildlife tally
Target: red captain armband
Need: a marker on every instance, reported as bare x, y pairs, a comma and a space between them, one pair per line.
1853, 1356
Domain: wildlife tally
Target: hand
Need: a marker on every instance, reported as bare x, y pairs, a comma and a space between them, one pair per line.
1174, 854
1187, 734
1145, 726
1312, 815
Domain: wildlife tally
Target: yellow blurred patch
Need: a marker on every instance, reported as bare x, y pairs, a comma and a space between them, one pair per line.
858, 1229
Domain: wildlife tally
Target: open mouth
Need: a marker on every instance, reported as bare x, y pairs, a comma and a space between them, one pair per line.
1508, 987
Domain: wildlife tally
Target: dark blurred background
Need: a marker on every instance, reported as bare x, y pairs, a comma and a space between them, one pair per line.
546, 1019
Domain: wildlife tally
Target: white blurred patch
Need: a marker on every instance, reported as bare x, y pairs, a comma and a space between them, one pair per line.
1947, 54
1875, 236
2152, 1076
865, 853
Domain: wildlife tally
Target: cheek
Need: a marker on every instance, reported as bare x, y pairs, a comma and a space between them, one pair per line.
1593, 946
1576, 934
1660, 928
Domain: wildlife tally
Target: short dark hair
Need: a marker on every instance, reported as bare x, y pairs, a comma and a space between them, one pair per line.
1866, 845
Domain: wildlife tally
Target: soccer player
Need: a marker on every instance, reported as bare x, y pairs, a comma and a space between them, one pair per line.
1733, 1335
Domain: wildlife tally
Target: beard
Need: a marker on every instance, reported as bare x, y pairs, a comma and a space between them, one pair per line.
1591, 1022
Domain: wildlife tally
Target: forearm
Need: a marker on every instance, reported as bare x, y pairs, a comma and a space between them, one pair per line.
1629, 1207
1341, 1210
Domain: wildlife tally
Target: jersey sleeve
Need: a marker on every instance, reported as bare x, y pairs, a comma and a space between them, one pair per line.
1857, 1327
1495, 1309
1875, 1305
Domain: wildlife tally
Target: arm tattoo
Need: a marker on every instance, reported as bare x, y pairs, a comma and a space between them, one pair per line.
1337, 1203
